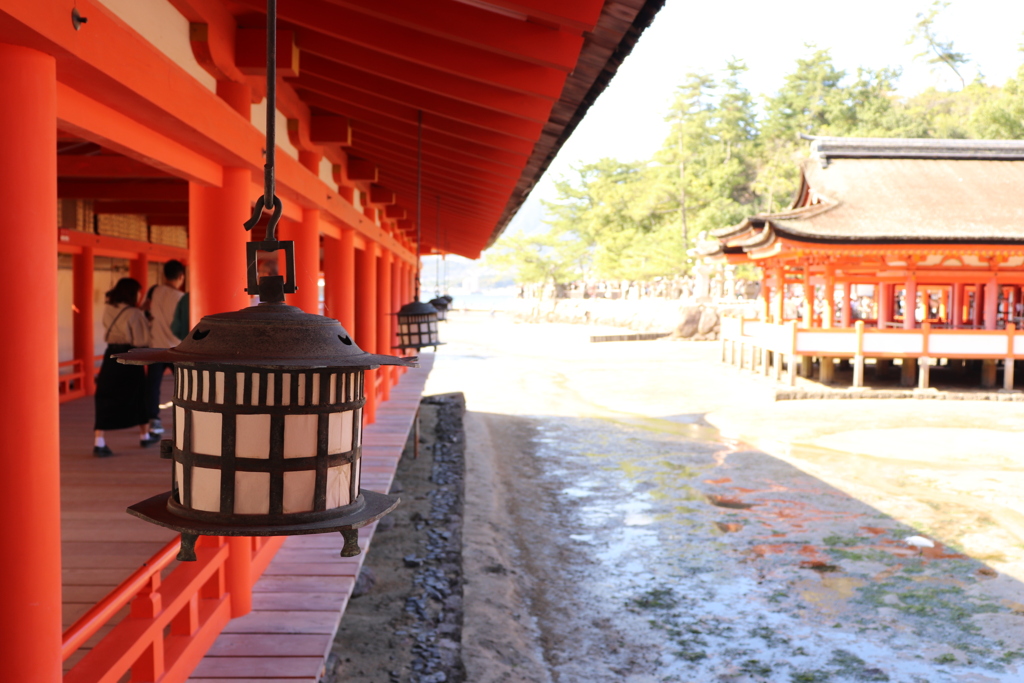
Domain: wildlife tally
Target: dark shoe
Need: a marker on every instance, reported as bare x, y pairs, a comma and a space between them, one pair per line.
156, 426
149, 440
102, 451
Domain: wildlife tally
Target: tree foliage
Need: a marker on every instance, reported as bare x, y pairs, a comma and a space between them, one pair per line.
727, 157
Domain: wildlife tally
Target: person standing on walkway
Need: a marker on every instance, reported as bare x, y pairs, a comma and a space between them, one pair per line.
163, 301
121, 389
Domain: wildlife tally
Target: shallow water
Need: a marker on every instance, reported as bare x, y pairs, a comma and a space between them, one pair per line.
800, 591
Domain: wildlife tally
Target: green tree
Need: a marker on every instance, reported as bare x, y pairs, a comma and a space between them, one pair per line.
937, 51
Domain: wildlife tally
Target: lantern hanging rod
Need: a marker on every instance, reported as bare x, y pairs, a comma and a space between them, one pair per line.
419, 195
269, 199
437, 242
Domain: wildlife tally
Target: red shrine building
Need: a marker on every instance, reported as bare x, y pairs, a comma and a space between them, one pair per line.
132, 133
893, 250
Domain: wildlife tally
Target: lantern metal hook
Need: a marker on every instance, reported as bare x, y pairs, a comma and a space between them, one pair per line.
269, 198
275, 218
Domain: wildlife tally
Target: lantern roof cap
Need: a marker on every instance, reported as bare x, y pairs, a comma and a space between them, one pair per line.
270, 335
417, 308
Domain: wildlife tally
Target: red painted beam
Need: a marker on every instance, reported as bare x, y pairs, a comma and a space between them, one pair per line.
405, 136
105, 166
432, 153
394, 211
360, 169
361, 106
506, 122
471, 26
251, 52
152, 190
330, 130
579, 15
438, 174
316, 47
140, 207
414, 46
381, 195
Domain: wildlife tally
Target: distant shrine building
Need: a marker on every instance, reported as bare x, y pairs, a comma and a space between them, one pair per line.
892, 249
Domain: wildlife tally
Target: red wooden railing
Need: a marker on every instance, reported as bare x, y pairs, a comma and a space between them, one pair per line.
72, 384
171, 622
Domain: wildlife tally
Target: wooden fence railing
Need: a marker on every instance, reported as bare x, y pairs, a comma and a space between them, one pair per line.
171, 622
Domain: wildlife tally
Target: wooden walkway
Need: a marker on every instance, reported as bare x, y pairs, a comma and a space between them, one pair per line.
298, 602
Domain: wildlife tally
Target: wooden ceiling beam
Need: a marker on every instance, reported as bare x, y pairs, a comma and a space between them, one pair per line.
406, 137
105, 166
472, 26
380, 106
317, 46
578, 15
397, 41
141, 207
151, 190
432, 165
509, 121
435, 153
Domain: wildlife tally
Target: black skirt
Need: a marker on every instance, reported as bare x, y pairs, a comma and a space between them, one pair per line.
120, 392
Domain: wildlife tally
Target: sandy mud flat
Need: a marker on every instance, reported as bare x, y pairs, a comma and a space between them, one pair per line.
639, 512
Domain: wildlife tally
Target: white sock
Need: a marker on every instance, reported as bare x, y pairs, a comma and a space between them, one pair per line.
100, 442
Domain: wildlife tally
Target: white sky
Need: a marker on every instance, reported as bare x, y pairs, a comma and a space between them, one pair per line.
627, 123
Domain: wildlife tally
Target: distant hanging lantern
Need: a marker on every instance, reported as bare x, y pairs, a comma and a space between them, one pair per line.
417, 321
267, 411
441, 305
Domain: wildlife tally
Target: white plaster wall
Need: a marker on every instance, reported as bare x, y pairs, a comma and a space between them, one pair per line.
258, 117
826, 342
880, 342
162, 25
327, 172
952, 344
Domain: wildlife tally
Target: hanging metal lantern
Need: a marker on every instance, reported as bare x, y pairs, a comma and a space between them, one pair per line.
267, 426
268, 407
417, 326
441, 304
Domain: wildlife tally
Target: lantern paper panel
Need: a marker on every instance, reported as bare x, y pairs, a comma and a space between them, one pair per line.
267, 442
416, 331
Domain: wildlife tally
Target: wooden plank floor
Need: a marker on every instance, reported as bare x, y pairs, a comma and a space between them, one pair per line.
101, 545
299, 601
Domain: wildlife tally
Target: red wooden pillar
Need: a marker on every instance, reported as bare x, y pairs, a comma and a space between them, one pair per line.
766, 297
30, 597
979, 306
216, 253
956, 313
332, 277
216, 246
397, 269
306, 236
84, 269
828, 315
846, 314
780, 304
347, 280
910, 304
883, 294
366, 321
991, 304
384, 339
138, 269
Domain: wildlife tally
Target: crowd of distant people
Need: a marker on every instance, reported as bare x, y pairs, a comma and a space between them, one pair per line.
683, 287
